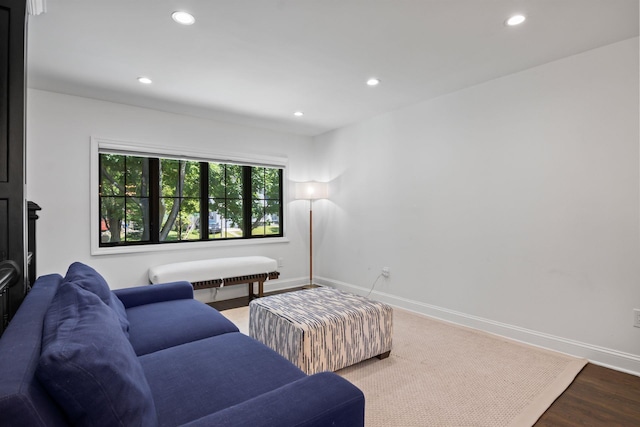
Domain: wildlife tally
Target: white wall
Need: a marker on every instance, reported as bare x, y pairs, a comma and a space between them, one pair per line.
512, 206
59, 128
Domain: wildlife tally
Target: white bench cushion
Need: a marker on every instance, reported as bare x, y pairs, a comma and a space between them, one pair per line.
211, 269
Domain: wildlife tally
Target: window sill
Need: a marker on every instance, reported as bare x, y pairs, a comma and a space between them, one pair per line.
113, 250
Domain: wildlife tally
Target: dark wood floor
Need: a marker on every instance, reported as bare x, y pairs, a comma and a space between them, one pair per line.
229, 303
244, 301
598, 397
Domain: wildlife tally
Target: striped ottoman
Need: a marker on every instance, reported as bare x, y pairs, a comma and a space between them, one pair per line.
322, 329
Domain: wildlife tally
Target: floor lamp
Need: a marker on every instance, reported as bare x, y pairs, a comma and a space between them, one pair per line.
311, 191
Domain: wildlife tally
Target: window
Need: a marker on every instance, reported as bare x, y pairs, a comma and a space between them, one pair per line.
157, 200
266, 201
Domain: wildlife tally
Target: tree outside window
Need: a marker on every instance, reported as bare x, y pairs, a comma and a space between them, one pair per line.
159, 200
124, 199
266, 202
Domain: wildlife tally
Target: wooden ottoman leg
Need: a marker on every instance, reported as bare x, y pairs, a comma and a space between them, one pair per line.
384, 355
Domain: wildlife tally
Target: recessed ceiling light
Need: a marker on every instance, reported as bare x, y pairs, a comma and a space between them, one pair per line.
373, 81
183, 18
145, 80
515, 20
298, 114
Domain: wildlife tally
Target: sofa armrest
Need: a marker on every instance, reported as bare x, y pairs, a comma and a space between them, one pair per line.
141, 295
319, 400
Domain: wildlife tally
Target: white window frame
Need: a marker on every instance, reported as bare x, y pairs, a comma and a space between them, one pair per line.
99, 145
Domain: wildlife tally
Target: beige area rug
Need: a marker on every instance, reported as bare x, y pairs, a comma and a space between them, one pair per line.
440, 374
240, 317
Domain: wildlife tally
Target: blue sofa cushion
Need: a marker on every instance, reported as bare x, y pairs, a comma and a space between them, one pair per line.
212, 374
90, 280
154, 326
23, 400
88, 365
320, 400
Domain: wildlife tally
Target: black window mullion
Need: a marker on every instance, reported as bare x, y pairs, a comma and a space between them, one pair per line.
124, 197
247, 201
281, 225
178, 199
100, 199
154, 200
204, 201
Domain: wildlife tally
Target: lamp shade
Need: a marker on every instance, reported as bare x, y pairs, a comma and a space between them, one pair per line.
312, 190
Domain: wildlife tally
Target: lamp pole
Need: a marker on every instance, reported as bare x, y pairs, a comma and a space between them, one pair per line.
311, 191
310, 241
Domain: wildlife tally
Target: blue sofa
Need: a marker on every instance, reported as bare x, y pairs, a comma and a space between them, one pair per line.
77, 353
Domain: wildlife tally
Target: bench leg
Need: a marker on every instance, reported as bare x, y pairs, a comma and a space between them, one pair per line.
260, 288
384, 355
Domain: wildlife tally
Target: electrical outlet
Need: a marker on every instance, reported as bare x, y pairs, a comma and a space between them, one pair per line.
636, 317
280, 262
385, 271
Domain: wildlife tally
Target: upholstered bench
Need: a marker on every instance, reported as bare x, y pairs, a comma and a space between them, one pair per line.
322, 329
219, 272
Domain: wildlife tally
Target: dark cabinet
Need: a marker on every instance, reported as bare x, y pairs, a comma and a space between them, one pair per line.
13, 214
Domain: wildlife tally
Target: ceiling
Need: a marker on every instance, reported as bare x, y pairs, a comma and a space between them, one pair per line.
256, 62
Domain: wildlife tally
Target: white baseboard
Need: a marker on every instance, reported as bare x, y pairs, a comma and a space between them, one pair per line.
237, 291
280, 284
624, 362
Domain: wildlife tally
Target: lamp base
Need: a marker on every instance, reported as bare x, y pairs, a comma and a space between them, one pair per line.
310, 286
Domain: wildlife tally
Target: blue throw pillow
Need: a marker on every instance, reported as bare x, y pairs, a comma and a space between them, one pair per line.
88, 366
89, 279
116, 305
